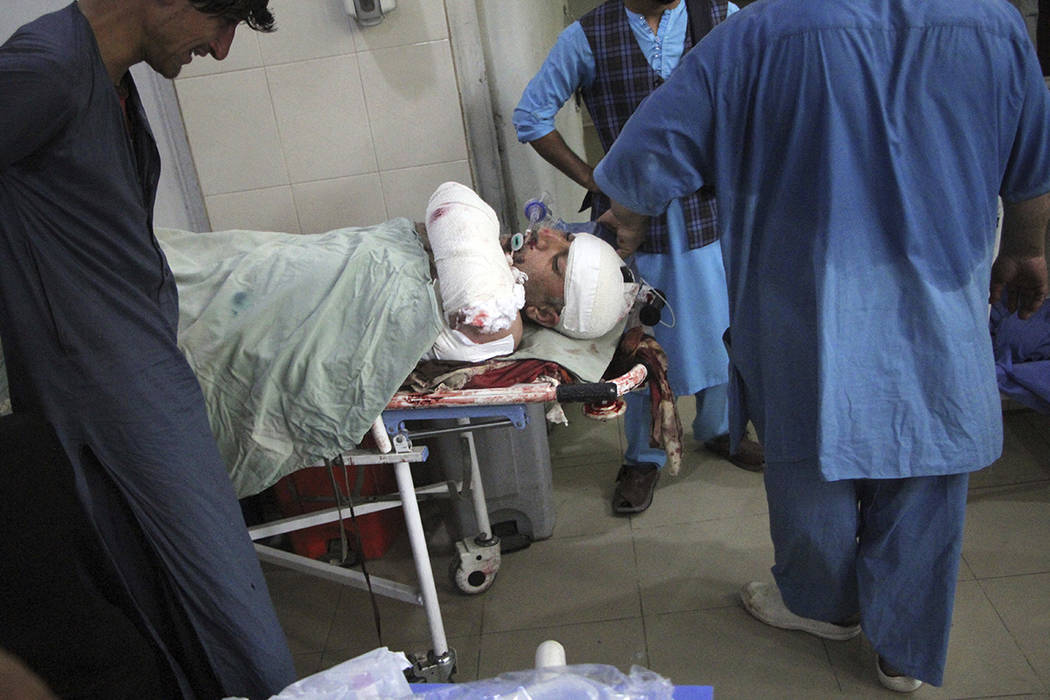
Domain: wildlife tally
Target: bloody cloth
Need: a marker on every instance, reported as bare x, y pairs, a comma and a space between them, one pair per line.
445, 375
636, 347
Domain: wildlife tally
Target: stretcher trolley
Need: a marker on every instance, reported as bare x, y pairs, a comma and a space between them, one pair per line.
476, 562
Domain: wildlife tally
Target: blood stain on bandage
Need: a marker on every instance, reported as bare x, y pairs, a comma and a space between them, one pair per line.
437, 214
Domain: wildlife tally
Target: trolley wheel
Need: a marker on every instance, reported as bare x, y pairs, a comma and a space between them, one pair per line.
470, 581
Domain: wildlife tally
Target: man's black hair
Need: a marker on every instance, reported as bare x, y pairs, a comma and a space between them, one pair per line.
253, 12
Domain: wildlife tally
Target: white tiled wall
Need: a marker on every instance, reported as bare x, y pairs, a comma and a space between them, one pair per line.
323, 123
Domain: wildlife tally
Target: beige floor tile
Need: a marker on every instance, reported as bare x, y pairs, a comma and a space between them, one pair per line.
583, 500
309, 664
1026, 454
585, 440
1023, 604
619, 643
737, 655
707, 488
984, 659
701, 565
305, 606
1039, 426
404, 625
468, 656
565, 580
1003, 525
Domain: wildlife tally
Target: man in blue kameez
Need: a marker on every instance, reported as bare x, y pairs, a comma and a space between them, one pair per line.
857, 148
88, 317
615, 56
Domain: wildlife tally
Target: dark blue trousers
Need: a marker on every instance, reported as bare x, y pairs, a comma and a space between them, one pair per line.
888, 549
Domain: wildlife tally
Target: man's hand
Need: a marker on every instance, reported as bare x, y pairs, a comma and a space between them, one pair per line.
630, 227
1021, 264
1025, 280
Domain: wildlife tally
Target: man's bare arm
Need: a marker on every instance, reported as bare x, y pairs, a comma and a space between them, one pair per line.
553, 149
1021, 264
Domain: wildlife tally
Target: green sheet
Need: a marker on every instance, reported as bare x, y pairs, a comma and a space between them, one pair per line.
299, 341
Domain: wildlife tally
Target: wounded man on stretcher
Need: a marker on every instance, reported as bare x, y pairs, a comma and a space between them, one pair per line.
299, 341
572, 283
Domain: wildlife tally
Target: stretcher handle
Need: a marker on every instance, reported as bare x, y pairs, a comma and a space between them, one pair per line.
586, 393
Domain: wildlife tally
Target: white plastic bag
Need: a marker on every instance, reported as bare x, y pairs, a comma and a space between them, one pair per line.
578, 682
377, 674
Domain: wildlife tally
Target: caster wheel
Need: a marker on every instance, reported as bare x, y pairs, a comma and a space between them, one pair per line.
472, 581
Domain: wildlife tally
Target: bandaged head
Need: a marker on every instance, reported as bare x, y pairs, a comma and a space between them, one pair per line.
596, 295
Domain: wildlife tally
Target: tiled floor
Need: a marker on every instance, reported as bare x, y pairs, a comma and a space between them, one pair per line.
659, 589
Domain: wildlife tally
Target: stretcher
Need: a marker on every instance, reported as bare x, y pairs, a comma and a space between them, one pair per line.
476, 562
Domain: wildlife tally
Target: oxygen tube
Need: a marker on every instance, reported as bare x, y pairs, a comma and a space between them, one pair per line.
538, 213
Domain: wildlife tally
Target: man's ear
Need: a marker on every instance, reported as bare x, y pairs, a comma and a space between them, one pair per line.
543, 314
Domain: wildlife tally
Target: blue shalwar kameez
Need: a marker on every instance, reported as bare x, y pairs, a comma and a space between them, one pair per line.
88, 316
696, 355
857, 149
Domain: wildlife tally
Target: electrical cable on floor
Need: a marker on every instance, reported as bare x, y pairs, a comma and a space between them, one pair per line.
344, 547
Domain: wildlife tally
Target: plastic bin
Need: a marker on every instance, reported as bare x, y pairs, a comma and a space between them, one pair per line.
515, 472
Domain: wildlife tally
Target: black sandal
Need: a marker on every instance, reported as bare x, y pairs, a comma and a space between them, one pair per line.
635, 484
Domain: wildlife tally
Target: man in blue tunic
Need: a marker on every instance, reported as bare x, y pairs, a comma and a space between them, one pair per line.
857, 148
88, 315
616, 55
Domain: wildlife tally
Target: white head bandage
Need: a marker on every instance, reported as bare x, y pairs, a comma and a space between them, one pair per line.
596, 295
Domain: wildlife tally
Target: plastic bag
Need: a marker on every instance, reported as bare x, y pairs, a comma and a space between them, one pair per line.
577, 682
377, 674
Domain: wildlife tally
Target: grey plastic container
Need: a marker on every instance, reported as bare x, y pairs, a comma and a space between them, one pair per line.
515, 472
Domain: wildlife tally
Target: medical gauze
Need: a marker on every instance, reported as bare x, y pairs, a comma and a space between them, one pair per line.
596, 295
478, 287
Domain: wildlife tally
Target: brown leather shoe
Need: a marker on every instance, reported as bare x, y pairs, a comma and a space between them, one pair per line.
635, 484
749, 454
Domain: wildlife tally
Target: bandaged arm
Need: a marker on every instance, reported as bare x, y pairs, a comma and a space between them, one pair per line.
480, 292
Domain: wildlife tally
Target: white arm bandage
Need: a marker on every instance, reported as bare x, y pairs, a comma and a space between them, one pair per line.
478, 286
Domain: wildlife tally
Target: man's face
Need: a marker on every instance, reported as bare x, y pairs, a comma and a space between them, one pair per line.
544, 258
183, 32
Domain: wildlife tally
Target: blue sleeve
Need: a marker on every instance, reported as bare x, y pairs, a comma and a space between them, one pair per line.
1027, 172
35, 99
662, 151
568, 67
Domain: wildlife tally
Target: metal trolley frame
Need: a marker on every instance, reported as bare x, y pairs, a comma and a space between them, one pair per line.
477, 559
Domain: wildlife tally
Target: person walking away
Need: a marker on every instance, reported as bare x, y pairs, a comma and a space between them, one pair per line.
857, 155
